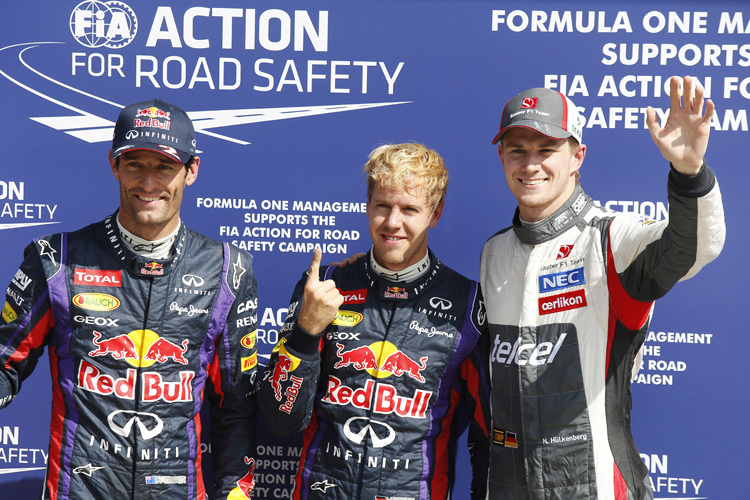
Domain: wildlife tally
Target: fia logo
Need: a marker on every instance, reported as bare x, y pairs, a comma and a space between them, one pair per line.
103, 24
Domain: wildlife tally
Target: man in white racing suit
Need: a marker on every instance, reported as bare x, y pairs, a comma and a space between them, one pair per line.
570, 288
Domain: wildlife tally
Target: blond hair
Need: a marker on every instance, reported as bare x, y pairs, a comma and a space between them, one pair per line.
408, 166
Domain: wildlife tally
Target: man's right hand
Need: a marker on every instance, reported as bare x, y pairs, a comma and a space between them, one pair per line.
321, 300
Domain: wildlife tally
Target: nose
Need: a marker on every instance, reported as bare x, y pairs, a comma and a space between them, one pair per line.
148, 179
394, 219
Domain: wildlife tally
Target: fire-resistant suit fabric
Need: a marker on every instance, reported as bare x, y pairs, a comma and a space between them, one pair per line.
376, 393
569, 301
132, 344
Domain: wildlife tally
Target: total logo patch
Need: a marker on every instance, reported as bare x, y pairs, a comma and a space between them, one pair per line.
96, 277
354, 296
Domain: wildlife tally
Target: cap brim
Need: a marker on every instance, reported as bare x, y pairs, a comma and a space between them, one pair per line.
546, 129
168, 151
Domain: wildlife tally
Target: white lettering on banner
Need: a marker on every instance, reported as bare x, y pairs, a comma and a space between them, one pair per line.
290, 30
16, 455
28, 210
647, 209
268, 75
11, 190
679, 338
658, 464
562, 21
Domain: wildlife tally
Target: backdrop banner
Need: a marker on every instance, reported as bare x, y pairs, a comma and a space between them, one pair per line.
288, 99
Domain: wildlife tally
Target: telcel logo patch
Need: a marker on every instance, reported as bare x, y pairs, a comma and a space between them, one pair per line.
558, 281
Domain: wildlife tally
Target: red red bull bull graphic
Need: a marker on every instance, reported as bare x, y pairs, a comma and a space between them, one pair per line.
245, 484
118, 347
396, 292
140, 348
163, 349
368, 358
153, 269
280, 373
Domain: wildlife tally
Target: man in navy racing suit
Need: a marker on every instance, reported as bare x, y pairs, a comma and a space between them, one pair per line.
140, 315
570, 289
377, 356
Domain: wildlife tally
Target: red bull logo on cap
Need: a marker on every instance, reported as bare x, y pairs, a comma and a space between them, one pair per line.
381, 360
153, 112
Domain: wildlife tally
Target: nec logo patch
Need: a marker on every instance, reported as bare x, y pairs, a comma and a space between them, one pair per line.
529, 103
558, 281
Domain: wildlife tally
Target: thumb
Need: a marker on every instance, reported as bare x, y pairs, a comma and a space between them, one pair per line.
314, 272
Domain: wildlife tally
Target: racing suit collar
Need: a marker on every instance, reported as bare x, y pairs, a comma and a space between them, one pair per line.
568, 215
136, 264
399, 290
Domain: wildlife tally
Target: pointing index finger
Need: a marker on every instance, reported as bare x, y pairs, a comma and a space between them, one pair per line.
313, 274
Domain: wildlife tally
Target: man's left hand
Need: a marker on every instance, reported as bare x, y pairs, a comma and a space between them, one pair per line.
684, 139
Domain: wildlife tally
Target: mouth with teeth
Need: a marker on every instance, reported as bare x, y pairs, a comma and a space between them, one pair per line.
532, 182
148, 198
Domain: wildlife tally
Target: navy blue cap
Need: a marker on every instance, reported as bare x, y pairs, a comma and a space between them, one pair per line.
154, 125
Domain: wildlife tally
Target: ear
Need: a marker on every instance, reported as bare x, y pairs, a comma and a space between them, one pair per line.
437, 213
192, 173
113, 165
577, 158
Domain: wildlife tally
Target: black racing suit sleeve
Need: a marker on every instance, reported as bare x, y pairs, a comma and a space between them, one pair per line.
25, 325
232, 390
475, 395
291, 379
692, 237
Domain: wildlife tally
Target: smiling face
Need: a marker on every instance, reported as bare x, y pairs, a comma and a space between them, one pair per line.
151, 187
398, 223
540, 171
